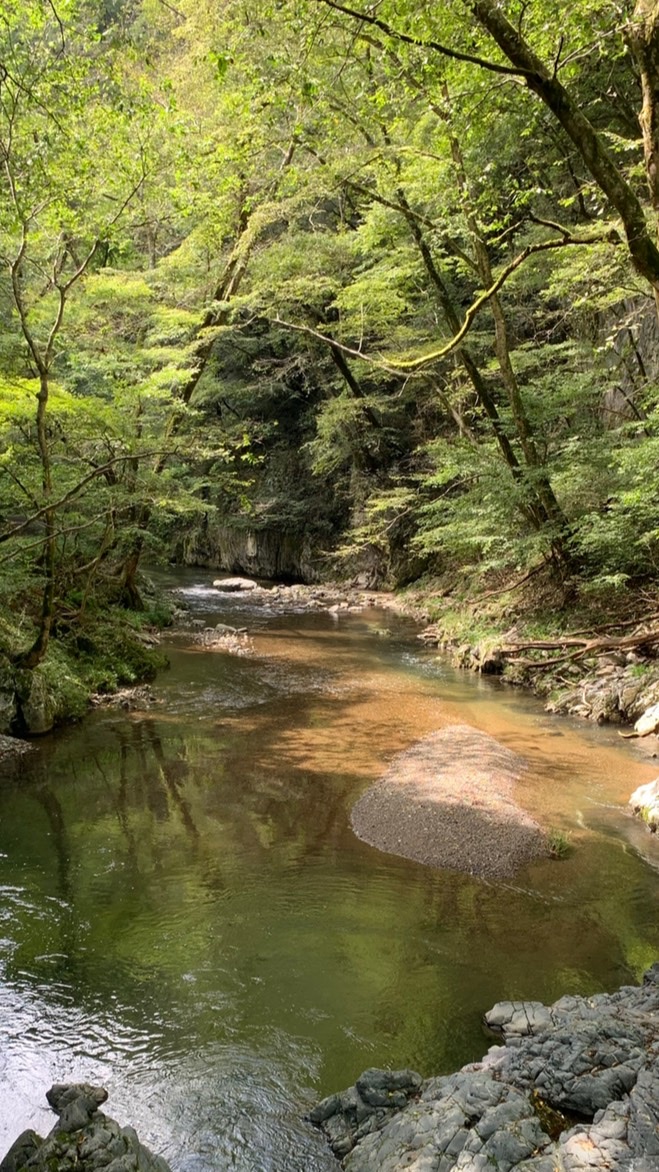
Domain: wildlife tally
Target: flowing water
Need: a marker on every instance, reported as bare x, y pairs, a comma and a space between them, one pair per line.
188, 919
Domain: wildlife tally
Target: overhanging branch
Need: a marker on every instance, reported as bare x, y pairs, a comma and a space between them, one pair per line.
78, 489
420, 43
414, 365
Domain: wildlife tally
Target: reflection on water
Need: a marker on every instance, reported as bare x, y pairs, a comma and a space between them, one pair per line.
186, 917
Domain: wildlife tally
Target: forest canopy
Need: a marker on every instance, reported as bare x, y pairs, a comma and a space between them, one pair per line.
378, 283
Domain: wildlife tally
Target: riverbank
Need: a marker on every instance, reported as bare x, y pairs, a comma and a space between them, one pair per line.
573, 1088
563, 653
94, 660
584, 653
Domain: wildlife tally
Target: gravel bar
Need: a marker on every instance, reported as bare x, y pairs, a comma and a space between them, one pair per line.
448, 802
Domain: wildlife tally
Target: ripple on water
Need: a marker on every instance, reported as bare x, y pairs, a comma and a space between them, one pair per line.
238, 1105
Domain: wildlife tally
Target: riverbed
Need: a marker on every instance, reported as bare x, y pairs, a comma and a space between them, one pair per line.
188, 919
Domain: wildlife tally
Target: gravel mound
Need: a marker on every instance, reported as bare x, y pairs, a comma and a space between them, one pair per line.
12, 747
448, 802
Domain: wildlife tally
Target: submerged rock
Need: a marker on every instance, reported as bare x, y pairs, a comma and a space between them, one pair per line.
83, 1138
596, 1058
139, 698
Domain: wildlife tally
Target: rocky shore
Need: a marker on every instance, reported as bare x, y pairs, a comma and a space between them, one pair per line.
608, 688
12, 747
573, 1088
335, 597
83, 1138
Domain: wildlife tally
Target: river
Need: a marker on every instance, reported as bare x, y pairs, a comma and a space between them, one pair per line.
188, 919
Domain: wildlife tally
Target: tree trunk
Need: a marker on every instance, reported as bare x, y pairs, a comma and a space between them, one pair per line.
130, 594
643, 37
600, 163
548, 505
34, 655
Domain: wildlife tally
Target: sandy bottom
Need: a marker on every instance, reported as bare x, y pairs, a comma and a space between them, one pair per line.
448, 802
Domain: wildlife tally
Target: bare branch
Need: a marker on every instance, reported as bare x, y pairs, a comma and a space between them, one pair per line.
60, 26
15, 274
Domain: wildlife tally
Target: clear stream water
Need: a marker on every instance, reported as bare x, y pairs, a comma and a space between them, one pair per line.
187, 918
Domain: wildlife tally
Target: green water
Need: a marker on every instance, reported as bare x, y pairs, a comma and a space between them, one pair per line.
188, 919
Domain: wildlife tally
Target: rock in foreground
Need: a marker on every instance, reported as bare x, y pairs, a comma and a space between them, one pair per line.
83, 1138
593, 1059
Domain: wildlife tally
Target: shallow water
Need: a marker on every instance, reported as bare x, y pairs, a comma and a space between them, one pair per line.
187, 918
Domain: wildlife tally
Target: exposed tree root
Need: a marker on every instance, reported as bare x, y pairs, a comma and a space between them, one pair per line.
583, 647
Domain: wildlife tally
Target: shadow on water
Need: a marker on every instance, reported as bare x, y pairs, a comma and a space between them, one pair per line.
188, 918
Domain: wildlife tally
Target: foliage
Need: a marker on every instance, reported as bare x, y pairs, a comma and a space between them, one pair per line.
237, 247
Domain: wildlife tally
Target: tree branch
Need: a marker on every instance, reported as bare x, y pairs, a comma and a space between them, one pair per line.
413, 365
406, 38
74, 492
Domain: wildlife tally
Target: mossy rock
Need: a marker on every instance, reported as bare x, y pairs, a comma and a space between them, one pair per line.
8, 705
36, 702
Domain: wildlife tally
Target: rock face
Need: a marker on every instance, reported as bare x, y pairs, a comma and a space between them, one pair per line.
266, 553
83, 1138
594, 1058
645, 802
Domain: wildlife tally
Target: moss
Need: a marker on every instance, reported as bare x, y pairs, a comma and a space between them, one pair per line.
639, 671
109, 654
106, 653
68, 691
552, 1122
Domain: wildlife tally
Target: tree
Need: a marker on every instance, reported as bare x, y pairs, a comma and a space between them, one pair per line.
70, 175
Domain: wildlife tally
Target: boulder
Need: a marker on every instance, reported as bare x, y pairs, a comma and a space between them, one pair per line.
595, 1057
365, 1108
645, 802
234, 585
82, 1139
648, 722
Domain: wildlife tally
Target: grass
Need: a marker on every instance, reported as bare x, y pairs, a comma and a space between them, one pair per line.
559, 843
